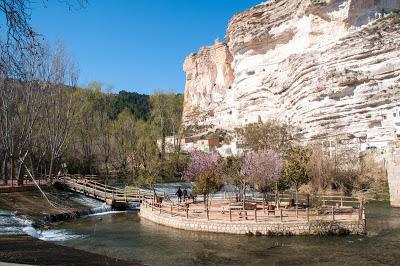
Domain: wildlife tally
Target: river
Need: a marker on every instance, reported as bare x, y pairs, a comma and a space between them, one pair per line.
126, 236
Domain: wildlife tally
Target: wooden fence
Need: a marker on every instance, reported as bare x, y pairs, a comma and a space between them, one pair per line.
258, 214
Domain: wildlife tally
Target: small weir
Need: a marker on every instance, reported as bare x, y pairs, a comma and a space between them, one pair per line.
11, 223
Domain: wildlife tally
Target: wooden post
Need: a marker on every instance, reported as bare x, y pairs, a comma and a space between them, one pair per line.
308, 215
94, 190
255, 214
263, 205
297, 212
360, 210
113, 196
308, 200
230, 214
208, 216
160, 207
281, 214
363, 217
333, 213
171, 210
187, 211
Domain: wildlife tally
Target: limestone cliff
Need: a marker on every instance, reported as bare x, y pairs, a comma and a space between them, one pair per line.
327, 67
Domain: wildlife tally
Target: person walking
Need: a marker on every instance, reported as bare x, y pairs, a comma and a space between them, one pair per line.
185, 194
179, 194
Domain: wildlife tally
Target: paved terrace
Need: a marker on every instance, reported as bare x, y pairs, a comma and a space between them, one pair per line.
329, 215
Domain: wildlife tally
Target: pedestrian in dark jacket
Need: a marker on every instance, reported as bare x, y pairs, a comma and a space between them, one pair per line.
185, 194
179, 194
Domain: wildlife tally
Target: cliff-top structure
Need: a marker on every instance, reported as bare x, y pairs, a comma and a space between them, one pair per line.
327, 67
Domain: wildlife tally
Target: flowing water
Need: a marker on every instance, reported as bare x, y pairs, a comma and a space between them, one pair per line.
126, 236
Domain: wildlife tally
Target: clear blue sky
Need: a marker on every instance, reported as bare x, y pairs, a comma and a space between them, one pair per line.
136, 45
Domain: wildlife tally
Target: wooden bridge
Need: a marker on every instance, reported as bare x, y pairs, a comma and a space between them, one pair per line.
109, 194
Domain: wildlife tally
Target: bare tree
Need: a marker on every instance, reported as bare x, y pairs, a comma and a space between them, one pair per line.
59, 108
20, 104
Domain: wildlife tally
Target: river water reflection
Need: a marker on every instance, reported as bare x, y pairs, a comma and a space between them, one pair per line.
125, 236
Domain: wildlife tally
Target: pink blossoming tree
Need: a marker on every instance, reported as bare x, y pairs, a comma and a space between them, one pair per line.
206, 170
262, 169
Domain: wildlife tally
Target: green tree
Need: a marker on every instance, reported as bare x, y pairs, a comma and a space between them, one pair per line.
166, 116
233, 175
124, 140
269, 135
137, 104
296, 168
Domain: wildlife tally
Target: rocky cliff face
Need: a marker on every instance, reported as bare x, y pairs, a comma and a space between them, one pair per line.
328, 67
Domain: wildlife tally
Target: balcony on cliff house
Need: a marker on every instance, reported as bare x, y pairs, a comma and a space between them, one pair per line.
233, 148
397, 128
209, 144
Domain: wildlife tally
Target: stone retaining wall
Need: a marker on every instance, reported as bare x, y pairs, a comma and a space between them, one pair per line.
393, 173
259, 228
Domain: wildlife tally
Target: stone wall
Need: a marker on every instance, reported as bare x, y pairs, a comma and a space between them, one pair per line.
254, 228
393, 172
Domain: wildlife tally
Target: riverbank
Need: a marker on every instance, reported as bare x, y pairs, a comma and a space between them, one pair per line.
28, 250
32, 207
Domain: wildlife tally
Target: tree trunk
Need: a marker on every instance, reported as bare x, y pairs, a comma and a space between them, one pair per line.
12, 169
244, 195
5, 169
6, 177
264, 199
51, 168
276, 195
205, 201
1, 169
21, 171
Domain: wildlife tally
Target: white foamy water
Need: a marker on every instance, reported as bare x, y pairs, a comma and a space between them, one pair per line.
57, 235
11, 225
47, 235
86, 201
104, 213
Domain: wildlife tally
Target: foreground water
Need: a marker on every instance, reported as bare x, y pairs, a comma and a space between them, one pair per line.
126, 236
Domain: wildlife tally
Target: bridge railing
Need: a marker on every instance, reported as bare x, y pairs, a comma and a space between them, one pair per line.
101, 191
